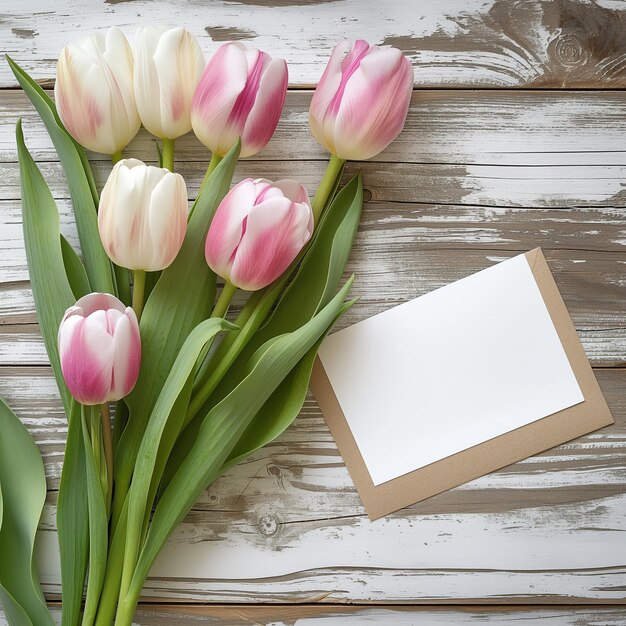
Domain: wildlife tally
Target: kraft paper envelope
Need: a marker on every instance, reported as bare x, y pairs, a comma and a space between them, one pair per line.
587, 411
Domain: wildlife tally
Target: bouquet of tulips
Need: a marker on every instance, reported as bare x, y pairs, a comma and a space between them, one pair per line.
162, 392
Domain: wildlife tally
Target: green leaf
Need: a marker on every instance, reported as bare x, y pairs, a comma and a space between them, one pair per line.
181, 299
74, 270
152, 454
315, 282
72, 520
23, 484
313, 286
42, 238
98, 535
222, 428
79, 180
281, 409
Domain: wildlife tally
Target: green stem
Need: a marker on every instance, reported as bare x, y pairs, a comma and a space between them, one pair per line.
107, 438
223, 302
327, 186
113, 574
116, 156
139, 285
167, 157
221, 306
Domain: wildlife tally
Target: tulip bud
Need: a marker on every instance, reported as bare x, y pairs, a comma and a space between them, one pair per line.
94, 92
143, 215
168, 65
361, 101
100, 349
257, 231
241, 94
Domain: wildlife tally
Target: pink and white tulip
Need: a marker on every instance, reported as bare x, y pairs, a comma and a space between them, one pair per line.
100, 349
94, 92
257, 231
241, 94
142, 217
168, 66
361, 102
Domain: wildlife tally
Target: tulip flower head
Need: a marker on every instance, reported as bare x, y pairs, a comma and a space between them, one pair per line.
241, 94
168, 65
143, 215
257, 231
94, 92
100, 349
361, 102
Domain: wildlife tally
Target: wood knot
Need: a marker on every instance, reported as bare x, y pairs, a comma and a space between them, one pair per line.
567, 50
268, 525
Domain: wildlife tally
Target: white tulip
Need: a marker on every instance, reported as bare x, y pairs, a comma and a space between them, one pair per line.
168, 66
94, 91
143, 215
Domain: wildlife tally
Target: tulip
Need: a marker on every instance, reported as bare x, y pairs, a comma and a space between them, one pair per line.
143, 215
257, 231
94, 92
361, 102
100, 349
168, 65
241, 94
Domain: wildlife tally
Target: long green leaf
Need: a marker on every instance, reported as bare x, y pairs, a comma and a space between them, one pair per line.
51, 290
23, 495
72, 520
222, 428
147, 457
80, 183
315, 282
98, 536
180, 300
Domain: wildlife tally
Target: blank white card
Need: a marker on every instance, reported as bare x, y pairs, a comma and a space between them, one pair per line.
449, 370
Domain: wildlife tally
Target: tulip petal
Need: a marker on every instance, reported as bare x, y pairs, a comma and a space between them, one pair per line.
293, 190
271, 241
268, 104
325, 91
88, 359
167, 220
227, 226
374, 104
127, 351
222, 82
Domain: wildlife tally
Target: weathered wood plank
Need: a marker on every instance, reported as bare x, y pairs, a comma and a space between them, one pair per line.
485, 127
244, 615
451, 42
255, 535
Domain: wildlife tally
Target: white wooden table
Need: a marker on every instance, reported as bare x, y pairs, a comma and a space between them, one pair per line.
516, 138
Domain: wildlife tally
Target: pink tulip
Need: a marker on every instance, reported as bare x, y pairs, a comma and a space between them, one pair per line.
361, 102
258, 230
241, 94
100, 349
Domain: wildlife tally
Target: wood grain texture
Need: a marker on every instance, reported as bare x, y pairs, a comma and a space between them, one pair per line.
476, 177
541, 43
314, 615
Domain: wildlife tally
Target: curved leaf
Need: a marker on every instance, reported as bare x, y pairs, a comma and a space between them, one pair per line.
80, 183
151, 456
72, 520
23, 495
181, 299
42, 238
222, 428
